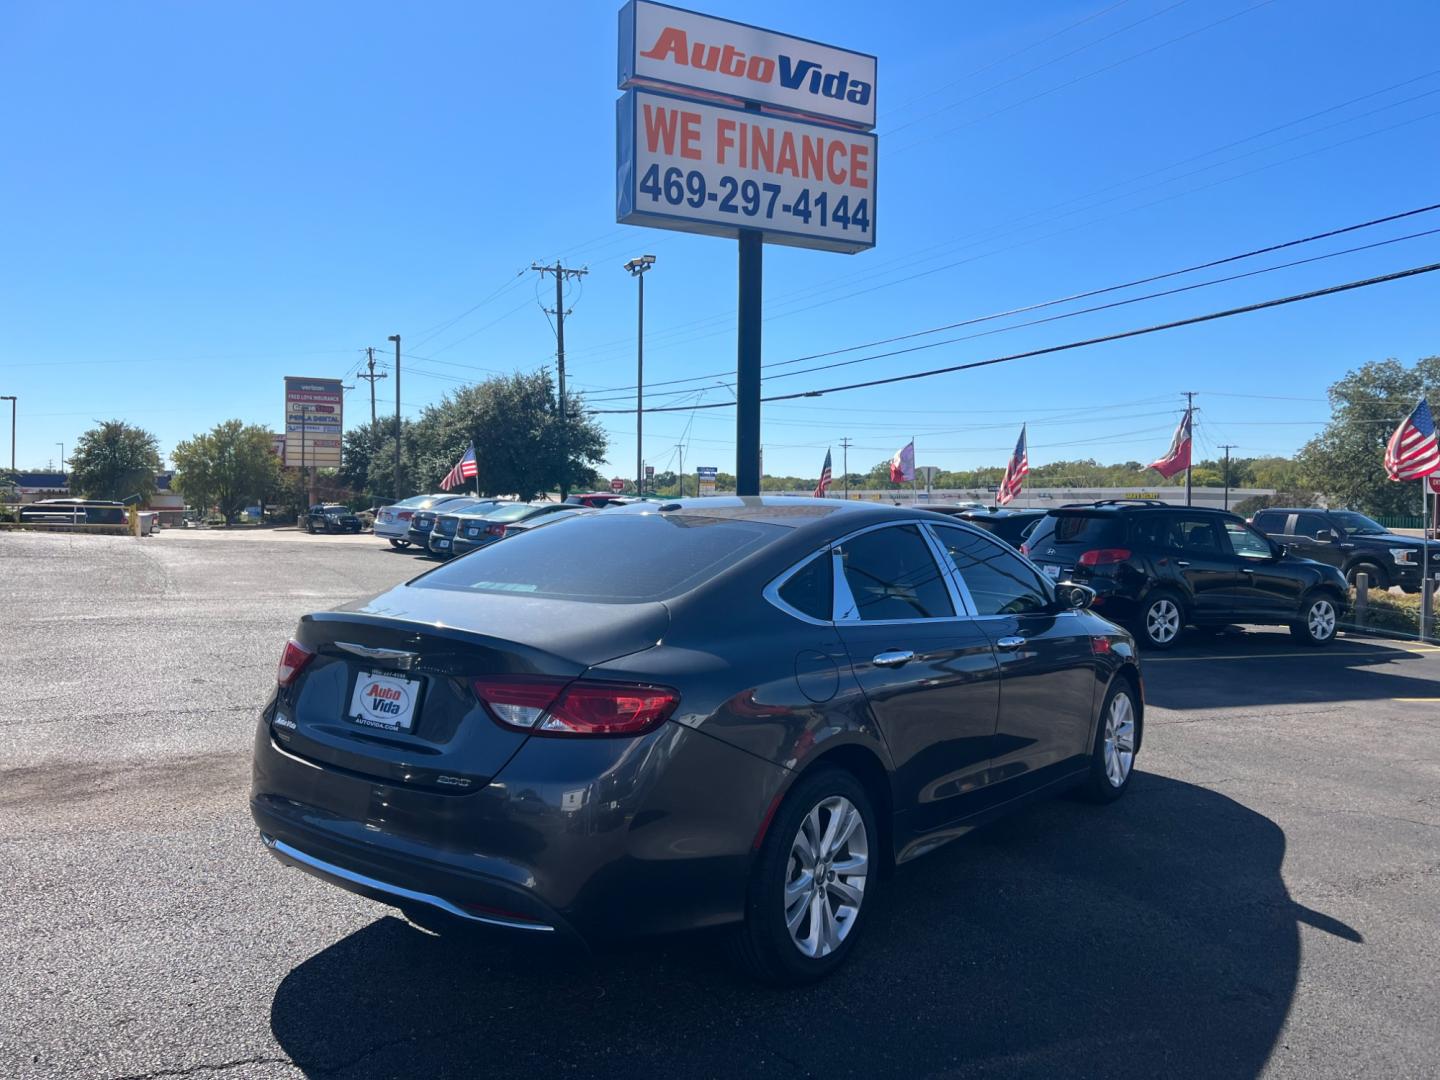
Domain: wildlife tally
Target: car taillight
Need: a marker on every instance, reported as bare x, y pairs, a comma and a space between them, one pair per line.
405, 515
1103, 557
495, 530
292, 662
1025, 548
575, 707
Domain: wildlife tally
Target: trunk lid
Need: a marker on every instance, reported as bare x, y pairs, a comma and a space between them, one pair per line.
1063, 536
388, 693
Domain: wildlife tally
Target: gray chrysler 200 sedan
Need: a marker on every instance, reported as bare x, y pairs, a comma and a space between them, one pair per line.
716, 712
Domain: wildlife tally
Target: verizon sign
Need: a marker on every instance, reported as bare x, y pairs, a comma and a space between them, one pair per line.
664, 47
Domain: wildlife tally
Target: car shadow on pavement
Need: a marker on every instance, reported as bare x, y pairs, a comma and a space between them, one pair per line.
1151, 938
1235, 669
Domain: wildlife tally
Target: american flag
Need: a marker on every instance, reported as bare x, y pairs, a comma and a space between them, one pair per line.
824, 485
1015, 472
464, 470
1413, 451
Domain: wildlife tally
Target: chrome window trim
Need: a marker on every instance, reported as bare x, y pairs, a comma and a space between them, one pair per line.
771, 592
1047, 587
850, 615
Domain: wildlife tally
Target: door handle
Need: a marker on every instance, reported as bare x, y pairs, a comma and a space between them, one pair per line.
893, 658
1247, 570
1182, 562
1010, 643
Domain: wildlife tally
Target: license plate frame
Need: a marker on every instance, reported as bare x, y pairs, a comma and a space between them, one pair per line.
384, 700
1052, 571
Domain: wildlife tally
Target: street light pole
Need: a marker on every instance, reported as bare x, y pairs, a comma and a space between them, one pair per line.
398, 489
11, 398
637, 268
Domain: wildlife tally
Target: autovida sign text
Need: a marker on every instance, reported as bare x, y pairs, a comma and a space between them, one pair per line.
665, 46
715, 169
729, 129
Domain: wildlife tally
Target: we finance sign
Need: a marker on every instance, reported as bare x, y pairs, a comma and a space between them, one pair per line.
713, 169
662, 47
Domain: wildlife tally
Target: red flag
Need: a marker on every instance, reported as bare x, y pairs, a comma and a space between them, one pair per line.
902, 465
1177, 458
1015, 472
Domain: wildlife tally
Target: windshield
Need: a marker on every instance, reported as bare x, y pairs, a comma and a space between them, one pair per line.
1358, 524
607, 558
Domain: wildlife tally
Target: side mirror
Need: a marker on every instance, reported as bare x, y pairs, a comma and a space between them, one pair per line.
1073, 596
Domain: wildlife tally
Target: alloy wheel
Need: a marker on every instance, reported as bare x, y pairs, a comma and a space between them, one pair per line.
1119, 739
1162, 621
825, 878
1321, 620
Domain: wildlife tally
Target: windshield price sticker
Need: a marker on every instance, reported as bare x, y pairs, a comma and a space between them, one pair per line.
710, 168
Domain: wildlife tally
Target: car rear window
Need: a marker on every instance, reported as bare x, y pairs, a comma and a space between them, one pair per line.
614, 559
1091, 530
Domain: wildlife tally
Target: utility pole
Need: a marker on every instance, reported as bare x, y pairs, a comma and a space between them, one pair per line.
637, 268
399, 488
370, 378
845, 463
12, 399
562, 274
62, 455
1190, 423
1227, 447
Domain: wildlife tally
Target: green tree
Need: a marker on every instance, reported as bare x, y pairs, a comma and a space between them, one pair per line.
115, 460
228, 467
367, 459
522, 445
1346, 461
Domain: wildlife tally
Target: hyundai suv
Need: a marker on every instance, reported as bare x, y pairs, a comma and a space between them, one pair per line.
1161, 568
1353, 543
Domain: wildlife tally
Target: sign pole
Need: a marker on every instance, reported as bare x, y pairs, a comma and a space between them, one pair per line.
747, 366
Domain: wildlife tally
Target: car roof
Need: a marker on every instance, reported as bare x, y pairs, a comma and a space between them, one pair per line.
1114, 506
792, 512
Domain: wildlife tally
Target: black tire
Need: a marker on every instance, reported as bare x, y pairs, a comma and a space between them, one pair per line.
763, 943
310, 527
1319, 620
1156, 620
400, 545
1100, 785
1378, 578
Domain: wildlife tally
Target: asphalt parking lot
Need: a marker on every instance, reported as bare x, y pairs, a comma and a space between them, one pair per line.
1264, 901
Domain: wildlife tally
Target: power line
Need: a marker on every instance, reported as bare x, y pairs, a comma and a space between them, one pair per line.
975, 320
1212, 316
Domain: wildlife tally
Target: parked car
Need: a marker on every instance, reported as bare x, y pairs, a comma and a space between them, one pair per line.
1353, 543
392, 523
74, 512
422, 521
1161, 568
447, 521
715, 712
331, 518
596, 499
1012, 526
497, 524
367, 517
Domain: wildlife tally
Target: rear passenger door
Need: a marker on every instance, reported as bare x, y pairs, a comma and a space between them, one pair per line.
1204, 560
927, 669
1047, 668
1313, 537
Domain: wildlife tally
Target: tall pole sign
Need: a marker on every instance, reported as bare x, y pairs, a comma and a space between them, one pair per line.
730, 130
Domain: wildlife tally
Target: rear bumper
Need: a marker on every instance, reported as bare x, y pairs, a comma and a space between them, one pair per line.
593, 839
392, 530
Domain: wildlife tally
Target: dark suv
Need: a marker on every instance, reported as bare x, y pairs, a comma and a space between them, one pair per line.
331, 518
1160, 568
1351, 542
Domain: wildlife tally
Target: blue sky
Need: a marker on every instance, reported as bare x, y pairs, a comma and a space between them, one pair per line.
203, 198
